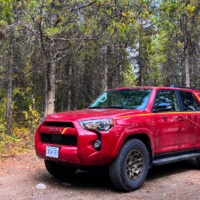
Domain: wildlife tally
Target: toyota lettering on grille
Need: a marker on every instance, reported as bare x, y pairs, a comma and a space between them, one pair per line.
54, 130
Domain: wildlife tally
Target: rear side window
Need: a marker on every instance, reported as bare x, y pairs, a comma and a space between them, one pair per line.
164, 96
189, 101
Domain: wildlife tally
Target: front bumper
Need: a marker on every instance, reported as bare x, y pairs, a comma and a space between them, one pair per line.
83, 153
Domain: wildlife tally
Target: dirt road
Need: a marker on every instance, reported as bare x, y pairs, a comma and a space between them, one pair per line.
20, 175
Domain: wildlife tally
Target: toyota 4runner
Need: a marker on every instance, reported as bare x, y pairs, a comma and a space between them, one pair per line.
126, 129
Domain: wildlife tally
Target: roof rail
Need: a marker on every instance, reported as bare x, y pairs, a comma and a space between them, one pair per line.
174, 86
191, 88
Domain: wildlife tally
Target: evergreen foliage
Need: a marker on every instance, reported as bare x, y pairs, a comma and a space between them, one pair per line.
58, 55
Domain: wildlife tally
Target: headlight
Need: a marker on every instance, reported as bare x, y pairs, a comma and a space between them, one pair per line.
98, 124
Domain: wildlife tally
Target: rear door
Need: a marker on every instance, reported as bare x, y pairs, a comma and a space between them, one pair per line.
190, 123
197, 96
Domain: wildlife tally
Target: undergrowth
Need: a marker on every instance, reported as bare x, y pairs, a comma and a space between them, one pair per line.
20, 140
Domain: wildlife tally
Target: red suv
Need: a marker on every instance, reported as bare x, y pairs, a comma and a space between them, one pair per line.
126, 129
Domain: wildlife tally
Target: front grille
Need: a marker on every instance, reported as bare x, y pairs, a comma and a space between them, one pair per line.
68, 140
59, 124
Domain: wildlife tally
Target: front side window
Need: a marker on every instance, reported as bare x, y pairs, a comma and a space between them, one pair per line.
189, 101
123, 99
166, 100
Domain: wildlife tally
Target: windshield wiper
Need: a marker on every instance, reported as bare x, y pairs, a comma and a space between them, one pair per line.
95, 107
117, 107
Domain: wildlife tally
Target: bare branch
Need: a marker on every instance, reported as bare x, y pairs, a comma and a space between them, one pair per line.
81, 7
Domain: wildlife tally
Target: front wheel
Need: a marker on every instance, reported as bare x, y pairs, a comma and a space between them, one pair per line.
198, 161
58, 170
129, 170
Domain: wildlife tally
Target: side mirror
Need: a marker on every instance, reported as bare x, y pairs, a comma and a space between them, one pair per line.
163, 107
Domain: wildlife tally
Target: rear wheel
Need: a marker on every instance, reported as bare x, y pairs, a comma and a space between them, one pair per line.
58, 170
129, 170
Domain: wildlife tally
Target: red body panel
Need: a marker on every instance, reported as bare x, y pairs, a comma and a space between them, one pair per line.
167, 132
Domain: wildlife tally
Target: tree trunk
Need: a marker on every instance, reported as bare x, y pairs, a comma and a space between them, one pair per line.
118, 10
187, 69
8, 114
51, 73
186, 54
140, 72
140, 62
45, 94
51, 87
33, 98
105, 79
69, 89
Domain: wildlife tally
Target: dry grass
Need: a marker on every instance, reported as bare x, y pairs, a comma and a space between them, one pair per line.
20, 141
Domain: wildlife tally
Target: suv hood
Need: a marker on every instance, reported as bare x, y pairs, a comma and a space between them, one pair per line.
93, 114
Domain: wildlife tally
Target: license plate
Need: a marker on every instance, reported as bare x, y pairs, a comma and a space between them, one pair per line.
52, 152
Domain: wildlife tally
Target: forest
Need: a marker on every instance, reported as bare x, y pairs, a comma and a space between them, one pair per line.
58, 55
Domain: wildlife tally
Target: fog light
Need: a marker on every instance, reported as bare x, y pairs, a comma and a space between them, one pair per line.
97, 144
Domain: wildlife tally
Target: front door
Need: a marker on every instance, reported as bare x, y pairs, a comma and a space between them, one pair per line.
167, 123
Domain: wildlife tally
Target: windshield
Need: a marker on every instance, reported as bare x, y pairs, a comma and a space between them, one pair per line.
124, 99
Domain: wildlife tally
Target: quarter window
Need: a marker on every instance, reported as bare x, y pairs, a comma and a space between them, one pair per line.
189, 101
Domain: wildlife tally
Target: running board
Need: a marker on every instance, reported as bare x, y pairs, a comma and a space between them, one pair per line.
175, 158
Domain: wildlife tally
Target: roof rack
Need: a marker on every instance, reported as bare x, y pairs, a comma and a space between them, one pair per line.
191, 88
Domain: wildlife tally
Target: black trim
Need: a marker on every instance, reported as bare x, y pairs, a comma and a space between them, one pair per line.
80, 166
68, 140
179, 100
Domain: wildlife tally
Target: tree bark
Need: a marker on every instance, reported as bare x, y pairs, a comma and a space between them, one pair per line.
45, 94
34, 103
51, 87
140, 81
105, 79
51, 73
8, 114
186, 54
187, 69
69, 89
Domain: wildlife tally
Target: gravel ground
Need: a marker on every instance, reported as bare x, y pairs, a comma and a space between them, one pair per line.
20, 176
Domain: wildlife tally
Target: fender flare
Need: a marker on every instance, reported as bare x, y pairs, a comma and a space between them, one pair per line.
128, 133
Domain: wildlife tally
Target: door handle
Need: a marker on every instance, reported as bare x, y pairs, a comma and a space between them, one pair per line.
163, 117
181, 118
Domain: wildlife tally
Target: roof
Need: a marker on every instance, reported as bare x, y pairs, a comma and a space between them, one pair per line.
160, 87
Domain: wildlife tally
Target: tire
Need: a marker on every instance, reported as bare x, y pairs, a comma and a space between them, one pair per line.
198, 161
122, 168
58, 170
